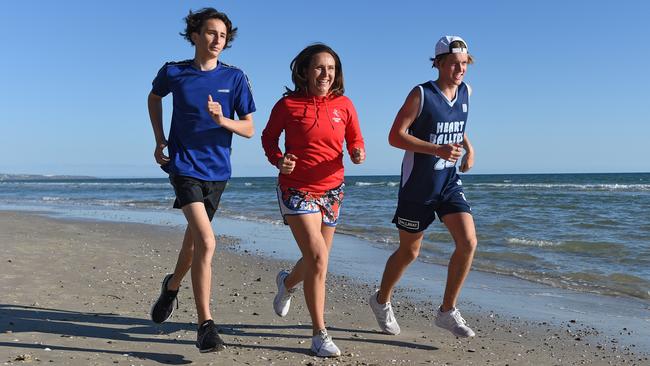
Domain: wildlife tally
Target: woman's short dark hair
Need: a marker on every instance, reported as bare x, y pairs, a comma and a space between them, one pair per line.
301, 62
194, 23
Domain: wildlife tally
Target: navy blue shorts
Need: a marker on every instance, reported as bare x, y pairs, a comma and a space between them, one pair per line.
415, 217
190, 190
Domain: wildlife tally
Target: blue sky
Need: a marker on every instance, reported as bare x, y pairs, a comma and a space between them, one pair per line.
559, 86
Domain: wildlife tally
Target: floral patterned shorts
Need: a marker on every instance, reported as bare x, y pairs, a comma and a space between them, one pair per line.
296, 202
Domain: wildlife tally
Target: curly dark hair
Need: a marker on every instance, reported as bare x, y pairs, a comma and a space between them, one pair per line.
301, 62
194, 23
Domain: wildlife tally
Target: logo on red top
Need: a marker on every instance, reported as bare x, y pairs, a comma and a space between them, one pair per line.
337, 116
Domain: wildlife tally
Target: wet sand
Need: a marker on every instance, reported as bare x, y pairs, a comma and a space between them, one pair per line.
79, 292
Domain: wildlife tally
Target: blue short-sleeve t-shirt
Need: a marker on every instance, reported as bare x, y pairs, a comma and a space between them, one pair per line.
198, 147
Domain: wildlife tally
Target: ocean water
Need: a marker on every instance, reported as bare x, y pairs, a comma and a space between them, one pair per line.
584, 232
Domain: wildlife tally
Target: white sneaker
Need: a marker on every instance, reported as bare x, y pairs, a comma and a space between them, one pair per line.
384, 315
453, 322
282, 301
322, 345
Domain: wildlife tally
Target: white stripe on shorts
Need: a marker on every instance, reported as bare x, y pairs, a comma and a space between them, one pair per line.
284, 210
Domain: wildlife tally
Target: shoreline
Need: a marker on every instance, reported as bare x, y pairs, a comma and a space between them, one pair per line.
584, 253
241, 227
425, 280
170, 216
82, 289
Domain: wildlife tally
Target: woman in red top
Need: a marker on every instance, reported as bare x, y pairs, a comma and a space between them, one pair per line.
316, 118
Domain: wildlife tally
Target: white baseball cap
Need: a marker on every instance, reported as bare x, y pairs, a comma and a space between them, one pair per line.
443, 46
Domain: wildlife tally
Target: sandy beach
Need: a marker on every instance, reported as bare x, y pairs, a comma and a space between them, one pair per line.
78, 293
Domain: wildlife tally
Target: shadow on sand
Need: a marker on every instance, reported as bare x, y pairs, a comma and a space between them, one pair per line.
113, 327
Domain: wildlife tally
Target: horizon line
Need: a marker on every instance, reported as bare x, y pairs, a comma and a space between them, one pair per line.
15, 176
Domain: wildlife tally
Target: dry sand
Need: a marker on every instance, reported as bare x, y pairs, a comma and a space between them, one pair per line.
79, 292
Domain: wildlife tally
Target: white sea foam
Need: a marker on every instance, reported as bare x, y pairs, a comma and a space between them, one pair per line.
127, 185
367, 184
569, 186
52, 199
364, 184
531, 243
256, 219
111, 203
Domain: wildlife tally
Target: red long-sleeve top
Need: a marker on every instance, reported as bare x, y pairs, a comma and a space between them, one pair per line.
314, 130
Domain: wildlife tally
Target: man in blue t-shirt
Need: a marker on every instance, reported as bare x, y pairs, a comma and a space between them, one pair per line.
430, 127
207, 94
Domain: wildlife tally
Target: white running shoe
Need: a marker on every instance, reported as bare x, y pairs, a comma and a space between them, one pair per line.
282, 301
322, 345
384, 315
453, 322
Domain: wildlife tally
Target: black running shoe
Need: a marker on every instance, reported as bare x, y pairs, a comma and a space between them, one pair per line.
163, 308
207, 338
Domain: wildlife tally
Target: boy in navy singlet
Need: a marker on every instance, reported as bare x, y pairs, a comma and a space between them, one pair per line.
207, 95
430, 127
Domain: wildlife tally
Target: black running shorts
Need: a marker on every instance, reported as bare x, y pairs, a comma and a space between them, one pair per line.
190, 190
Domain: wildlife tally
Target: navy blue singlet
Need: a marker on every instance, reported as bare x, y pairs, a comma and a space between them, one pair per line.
426, 178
